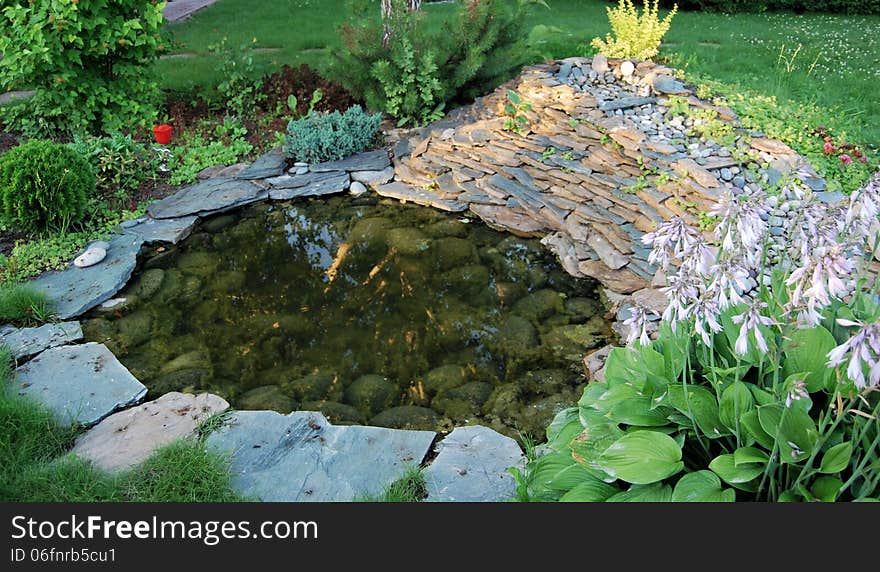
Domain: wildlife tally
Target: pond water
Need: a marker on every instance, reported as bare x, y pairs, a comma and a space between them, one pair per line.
365, 309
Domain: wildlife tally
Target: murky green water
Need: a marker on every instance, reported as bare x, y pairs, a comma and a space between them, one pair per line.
372, 312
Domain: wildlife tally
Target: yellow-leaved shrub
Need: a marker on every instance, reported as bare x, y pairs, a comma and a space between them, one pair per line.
636, 36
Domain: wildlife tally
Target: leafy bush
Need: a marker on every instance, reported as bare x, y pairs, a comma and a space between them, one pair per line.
119, 162
636, 36
241, 91
331, 136
44, 186
86, 60
769, 388
195, 152
831, 6
22, 304
481, 46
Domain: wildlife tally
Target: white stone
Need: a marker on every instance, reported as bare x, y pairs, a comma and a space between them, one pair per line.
627, 68
357, 188
90, 257
110, 304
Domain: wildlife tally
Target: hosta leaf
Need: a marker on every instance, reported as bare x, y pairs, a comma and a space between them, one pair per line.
656, 492
806, 351
826, 488
637, 411
749, 456
642, 457
836, 458
564, 427
735, 401
739, 476
701, 486
753, 426
699, 404
590, 491
597, 435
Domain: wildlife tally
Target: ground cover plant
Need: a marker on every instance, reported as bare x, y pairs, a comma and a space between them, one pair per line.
763, 381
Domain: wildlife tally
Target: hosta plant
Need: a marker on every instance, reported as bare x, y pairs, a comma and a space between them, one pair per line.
764, 381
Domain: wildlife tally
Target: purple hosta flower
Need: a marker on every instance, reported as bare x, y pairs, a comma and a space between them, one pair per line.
751, 321
729, 278
819, 281
670, 241
638, 324
797, 392
741, 230
863, 210
862, 350
698, 257
682, 291
705, 312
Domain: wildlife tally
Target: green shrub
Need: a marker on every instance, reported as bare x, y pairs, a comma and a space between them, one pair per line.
331, 136
44, 186
195, 151
23, 304
481, 46
636, 36
119, 162
240, 89
86, 60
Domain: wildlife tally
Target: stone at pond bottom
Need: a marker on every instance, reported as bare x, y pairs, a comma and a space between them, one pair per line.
30, 341
371, 393
266, 397
301, 457
407, 417
93, 255
76, 290
129, 437
337, 413
471, 466
82, 383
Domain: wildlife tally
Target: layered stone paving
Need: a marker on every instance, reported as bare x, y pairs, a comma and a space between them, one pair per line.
26, 342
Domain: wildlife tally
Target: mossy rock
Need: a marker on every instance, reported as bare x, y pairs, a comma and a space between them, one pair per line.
509, 293
467, 282
336, 413
540, 305
475, 392
269, 397
580, 310
171, 286
228, 281
164, 258
370, 230
146, 285
452, 252
572, 342
99, 329
371, 394
218, 223
547, 381
444, 378
445, 228
198, 263
407, 417
505, 402
316, 386
408, 241
515, 335
135, 328
179, 380
189, 360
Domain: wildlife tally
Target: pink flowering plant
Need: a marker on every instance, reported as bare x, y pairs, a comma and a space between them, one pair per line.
763, 382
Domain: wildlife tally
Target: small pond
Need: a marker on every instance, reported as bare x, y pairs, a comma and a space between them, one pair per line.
365, 309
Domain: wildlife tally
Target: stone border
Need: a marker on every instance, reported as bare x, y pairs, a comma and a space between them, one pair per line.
595, 114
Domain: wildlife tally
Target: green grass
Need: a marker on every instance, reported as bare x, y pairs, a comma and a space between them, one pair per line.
408, 488
836, 67
35, 467
23, 304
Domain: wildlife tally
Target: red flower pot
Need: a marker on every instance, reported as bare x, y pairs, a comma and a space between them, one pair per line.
162, 134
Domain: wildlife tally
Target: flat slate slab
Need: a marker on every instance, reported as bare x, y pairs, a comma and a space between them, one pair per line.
404, 192
302, 457
81, 384
369, 161
76, 290
210, 196
26, 342
471, 466
128, 438
309, 185
271, 164
171, 230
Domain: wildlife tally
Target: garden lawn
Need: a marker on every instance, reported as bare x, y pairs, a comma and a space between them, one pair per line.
829, 61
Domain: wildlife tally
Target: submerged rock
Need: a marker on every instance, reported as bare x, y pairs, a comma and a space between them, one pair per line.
408, 241
269, 397
407, 417
370, 394
337, 413
443, 378
540, 305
